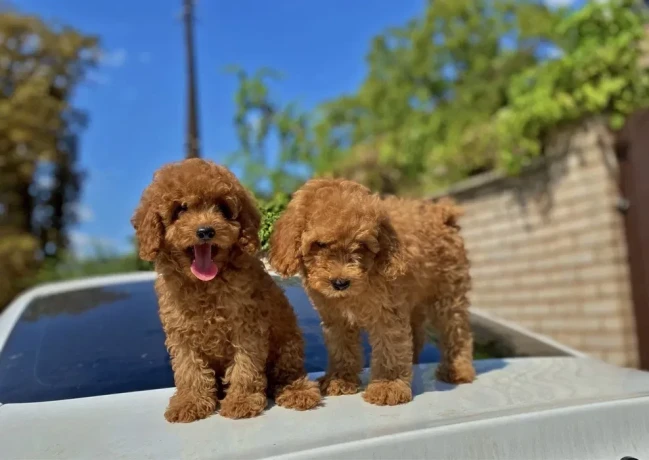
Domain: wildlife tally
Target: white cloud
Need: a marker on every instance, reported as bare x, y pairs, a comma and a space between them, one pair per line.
115, 58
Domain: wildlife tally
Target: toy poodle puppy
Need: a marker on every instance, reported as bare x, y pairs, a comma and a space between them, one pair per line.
387, 265
229, 327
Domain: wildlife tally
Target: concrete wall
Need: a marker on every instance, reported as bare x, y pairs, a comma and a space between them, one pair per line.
548, 248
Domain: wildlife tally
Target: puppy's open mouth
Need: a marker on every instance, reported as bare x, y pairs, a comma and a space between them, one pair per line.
203, 267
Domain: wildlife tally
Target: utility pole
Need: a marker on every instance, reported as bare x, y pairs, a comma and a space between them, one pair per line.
192, 146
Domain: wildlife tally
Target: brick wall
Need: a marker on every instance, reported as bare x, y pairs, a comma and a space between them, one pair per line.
548, 248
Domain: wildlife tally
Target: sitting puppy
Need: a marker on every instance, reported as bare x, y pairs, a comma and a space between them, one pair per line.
389, 266
223, 315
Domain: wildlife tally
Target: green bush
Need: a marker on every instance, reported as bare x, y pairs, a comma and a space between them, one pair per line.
100, 263
270, 212
598, 75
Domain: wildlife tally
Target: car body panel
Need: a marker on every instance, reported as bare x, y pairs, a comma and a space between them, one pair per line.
131, 425
565, 406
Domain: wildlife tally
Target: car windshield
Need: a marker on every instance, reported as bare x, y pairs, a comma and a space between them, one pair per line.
106, 340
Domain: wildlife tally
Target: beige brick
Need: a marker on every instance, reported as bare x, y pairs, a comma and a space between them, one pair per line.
574, 259
590, 324
563, 273
618, 358
612, 288
596, 272
556, 324
544, 264
601, 306
562, 276
487, 270
568, 191
536, 309
554, 292
533, 279
596, 237
501, 284
488, 298
604, 341
567, 307
560, 243
610, 252
518, 267
613, 324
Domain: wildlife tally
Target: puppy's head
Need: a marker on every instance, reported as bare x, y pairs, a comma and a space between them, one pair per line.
335, 232
197, 216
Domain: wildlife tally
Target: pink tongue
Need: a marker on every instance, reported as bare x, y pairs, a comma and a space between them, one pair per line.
202, 267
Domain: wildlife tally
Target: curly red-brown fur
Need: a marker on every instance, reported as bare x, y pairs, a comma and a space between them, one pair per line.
236, 334
407, 267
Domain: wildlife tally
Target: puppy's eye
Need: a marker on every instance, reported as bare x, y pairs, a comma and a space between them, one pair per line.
179, 210
225, 210
320, 244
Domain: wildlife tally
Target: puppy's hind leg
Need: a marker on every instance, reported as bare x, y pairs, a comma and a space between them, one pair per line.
450, 319
288, 382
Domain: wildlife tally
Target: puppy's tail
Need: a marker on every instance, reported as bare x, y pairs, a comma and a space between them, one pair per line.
449, 211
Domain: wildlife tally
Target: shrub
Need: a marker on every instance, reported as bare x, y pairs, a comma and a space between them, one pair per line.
270, 212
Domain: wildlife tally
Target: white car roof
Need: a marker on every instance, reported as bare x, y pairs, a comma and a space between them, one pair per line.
524, 408
545, 408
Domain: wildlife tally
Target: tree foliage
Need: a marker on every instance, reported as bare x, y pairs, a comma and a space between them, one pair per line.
276, 146
40, 67
601, 73
467, 86
69, 266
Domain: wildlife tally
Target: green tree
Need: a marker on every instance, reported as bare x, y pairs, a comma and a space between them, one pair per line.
428, 81
40, 67
465, 87
443, 74
265, 126
601, 73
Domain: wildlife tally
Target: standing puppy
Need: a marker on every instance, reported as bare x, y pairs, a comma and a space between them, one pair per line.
390, 266
225, 319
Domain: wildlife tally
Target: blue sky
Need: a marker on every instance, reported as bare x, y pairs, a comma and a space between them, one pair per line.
136, 99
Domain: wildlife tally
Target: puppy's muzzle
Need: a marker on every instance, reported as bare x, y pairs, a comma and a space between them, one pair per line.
205, 233
340, 284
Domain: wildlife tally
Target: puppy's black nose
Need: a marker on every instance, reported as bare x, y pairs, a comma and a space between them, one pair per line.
340, 284
205, 233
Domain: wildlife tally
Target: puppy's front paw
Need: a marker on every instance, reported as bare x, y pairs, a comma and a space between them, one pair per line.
302, 394
457, 373
242, 405
388, 393
186, 408
333, 385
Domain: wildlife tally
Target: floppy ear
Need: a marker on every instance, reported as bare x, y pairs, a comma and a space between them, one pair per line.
390, 259
149, 230
286, 239
250, 219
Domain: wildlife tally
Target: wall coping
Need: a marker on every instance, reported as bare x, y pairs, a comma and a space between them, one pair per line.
489, 178
556, 149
